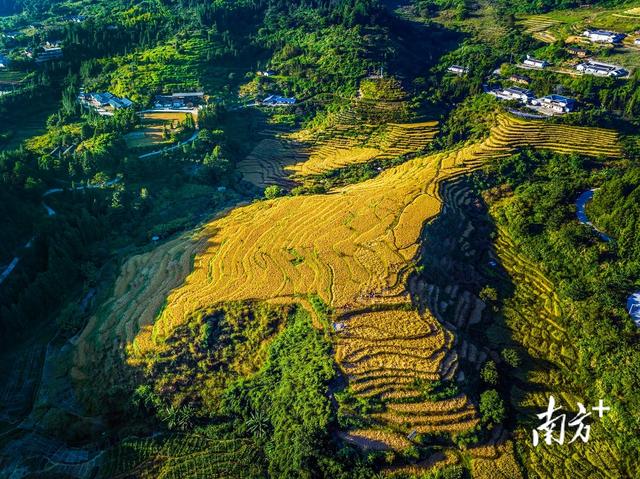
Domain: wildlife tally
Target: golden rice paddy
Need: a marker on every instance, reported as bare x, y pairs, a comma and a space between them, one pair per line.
354, 248
293, 157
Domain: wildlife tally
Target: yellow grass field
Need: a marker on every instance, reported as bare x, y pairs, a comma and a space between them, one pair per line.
150, 133
354, 247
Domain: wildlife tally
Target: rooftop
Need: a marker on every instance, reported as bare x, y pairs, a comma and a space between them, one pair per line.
558, 98
518, 90
197, 94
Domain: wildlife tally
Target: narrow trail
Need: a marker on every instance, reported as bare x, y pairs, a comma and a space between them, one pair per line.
171, 148
50, 212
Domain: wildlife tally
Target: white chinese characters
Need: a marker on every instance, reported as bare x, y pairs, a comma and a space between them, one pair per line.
554, 425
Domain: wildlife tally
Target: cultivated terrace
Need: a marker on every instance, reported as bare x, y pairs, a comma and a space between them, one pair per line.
341, 239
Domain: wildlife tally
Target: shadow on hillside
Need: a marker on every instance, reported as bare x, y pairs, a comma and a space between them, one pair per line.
458, 261
420, 45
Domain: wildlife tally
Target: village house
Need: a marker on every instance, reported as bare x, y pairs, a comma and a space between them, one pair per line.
514, 93
179, 100
592, 67
276, 100
458, 70
49, 53
636, 41
578, 52
603, 36
104, 103
266, 73
535, 63
4, 61
76, 18
521, 79
556, 103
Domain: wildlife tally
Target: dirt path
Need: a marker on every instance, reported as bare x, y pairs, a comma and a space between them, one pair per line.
171, 148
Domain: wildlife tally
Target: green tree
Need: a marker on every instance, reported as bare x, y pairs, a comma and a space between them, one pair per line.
492, 408
273, 191
489, 373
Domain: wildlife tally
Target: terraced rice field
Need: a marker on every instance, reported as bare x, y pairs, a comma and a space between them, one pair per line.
495, 462
538, 26
284, 161
534, 317
383, 353
344, 145
180, 456
287, 159
266, 164
517, 132
138, 295
354, 248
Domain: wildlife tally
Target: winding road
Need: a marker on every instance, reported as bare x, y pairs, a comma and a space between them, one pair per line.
581, 210
633, 301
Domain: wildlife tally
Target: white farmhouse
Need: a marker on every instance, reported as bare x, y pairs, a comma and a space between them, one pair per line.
535, 63
556, 103
458, 70
593, 67
276, 100
514, 93
603, 36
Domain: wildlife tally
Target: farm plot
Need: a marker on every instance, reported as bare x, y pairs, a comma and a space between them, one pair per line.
563, 24
343, 145
538, 26
266, 163
10, 77
156, 129
515, 132
287, 158
386, 354
363, 132
534, 320
180, 456
353, 248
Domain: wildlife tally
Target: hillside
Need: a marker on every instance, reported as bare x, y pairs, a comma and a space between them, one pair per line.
284, 251
316, 239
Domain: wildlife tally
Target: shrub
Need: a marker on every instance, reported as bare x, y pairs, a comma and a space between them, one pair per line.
492, 408
511, 357
489, 373
273, 191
